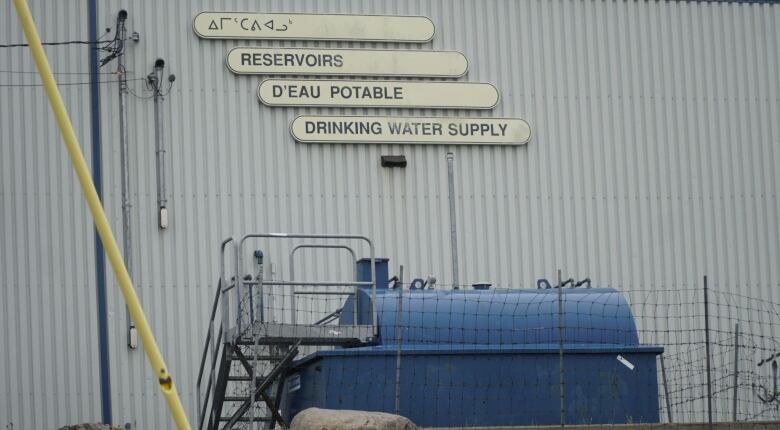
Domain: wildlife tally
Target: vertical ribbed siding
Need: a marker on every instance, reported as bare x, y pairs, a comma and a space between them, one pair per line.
651, 163
48, 359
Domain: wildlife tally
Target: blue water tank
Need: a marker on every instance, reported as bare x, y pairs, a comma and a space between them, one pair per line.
364, 271
489, 358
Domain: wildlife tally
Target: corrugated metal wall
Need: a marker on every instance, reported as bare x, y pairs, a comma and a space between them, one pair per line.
651, 163
48, 330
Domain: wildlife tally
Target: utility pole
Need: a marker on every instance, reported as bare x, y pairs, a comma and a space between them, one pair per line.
127, 233
154, 80
453, 226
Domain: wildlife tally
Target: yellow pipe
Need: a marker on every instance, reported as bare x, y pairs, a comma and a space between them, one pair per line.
101, 222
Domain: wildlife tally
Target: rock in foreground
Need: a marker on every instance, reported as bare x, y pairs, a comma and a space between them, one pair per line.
329, 419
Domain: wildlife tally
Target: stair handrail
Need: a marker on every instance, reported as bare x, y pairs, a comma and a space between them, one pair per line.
349, 249
239, 263
212, 344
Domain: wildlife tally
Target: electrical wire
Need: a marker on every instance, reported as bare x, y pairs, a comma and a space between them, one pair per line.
68, 42
27, 72
111, 81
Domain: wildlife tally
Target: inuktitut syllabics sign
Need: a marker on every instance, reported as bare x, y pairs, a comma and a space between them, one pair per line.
383, 129
305, 26
361, 78
348, 93
361, 62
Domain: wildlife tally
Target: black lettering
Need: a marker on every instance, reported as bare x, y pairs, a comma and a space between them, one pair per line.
312, 91
395, 127
338, 60
289, 60
246, 59
277, 90
310, 127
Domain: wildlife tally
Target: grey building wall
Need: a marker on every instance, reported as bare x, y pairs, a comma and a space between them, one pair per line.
651, 163
48, 326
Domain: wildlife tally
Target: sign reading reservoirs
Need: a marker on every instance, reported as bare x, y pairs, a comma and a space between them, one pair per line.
307, 26
365, 62
349, 93
386, 129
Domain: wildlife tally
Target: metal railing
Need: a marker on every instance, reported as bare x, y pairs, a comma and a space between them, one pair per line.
213, 342
231, 314
321, 246
242, 284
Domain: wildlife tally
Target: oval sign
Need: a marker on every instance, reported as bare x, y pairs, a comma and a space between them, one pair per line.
412, 130
357, 93
308, 26
365, 62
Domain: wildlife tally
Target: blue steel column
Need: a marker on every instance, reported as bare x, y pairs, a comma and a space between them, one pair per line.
100, 256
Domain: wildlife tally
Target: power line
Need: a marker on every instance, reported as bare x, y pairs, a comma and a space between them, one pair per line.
69, 83
68, 42
32, 72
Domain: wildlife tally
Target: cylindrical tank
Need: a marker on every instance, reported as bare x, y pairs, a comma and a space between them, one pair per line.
498, 317
488, 357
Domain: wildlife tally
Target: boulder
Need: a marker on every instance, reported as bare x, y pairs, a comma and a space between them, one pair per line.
330, 419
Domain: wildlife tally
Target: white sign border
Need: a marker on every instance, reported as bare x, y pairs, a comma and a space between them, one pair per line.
374, 142
415, 75
325, 39
370, 106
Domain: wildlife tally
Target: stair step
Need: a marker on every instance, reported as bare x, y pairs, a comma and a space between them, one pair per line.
244, 378
237, 398
247, 419
259, 357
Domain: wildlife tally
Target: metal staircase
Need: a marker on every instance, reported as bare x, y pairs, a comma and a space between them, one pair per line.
251, 344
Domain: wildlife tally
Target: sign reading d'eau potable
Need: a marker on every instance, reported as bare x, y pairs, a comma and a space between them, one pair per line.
412, 130
360, 93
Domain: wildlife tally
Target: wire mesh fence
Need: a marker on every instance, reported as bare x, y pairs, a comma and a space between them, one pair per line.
477, 356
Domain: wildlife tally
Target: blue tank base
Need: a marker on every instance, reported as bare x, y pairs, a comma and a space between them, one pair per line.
444, 386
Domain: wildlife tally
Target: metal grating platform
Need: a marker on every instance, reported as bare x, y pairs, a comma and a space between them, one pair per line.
275, 333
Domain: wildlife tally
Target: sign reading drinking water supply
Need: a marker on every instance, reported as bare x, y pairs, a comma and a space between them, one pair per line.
366, 62
347, 93
307, 26
385, 129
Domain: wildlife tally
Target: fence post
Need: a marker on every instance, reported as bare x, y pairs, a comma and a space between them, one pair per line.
560, 350
736, 372
707, 352
666, 391
398, 337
